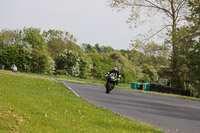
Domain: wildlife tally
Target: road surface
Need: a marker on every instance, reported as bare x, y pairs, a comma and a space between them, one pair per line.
167, 113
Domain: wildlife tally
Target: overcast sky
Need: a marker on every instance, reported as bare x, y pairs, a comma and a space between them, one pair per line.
90, 21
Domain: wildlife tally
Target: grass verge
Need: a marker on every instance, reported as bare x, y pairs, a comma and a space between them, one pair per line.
39, 105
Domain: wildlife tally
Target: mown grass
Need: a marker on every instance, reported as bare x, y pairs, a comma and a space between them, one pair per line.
39, 105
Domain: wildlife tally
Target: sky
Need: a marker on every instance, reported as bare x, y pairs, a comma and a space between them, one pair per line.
90, 21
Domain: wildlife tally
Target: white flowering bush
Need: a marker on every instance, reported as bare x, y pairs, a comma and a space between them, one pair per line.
51, 66
69, 60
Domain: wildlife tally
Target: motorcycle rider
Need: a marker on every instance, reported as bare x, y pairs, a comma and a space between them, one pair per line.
14, 68
116, 72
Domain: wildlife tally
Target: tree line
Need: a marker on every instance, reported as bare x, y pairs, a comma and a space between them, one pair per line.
56, 52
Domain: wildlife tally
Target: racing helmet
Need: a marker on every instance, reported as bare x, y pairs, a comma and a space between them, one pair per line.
115, 69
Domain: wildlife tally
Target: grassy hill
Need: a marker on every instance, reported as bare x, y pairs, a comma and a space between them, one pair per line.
41, 105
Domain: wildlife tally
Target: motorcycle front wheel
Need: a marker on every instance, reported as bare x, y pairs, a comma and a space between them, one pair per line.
109, 87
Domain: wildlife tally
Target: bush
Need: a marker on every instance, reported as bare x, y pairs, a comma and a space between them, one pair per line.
69, 61
101, 65
145, 79
128, 76
14, 55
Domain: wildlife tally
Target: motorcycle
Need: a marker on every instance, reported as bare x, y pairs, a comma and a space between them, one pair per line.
111, 80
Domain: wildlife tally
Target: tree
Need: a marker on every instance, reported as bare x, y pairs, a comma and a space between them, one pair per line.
58, 40
9, 38
194, 6
189, 47
56, 46
14, 55
193, 69
125, 53
128, 69
87, 48
12, 50
153, 53
128, 76
150, 72
84, 68
194, 54
107, 49
98, 48
40, 61
173, 12
33, 36
101, 65
69, 60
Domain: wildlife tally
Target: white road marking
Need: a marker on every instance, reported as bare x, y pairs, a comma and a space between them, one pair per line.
70, 89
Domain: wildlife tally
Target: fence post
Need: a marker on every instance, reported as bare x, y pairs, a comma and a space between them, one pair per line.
143, 86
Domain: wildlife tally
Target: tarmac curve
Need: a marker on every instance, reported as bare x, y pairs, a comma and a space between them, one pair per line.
166, 113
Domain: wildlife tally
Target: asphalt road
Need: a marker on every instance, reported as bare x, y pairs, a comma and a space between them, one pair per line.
163, 112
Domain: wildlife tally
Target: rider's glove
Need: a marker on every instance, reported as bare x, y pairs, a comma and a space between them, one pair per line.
106, 75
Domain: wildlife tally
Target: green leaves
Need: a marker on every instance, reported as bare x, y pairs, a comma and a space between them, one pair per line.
69, 60
33, 37
101, 65
14, 55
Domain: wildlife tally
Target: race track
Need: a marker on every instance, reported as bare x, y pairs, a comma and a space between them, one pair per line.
167, 113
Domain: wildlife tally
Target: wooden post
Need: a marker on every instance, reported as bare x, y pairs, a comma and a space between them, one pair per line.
143, 86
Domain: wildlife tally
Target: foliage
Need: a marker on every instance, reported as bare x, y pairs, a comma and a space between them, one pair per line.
106, 49
40, 60
150, 72
27, 50
14, 55
187, 38
57, 41
194, 66
33, 37
194, 6
87, 48
84, 68
128, 76
145, 78
9, 37
126, 67
150, 53
68, 60
101, 65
